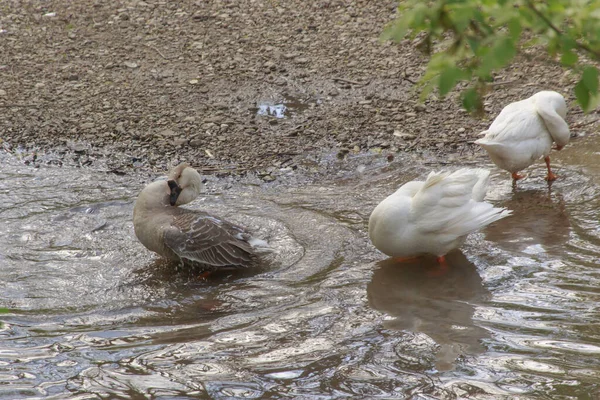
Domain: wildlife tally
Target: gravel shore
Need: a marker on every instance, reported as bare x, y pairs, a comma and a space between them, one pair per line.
231, 86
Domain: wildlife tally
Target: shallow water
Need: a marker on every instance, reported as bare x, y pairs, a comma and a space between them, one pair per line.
288, 106
92, 314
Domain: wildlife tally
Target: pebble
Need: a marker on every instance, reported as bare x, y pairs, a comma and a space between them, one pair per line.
130, 64
87, 125
193, 81
2, 92
167, 133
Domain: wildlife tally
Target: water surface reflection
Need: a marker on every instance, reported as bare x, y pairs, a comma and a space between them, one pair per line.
422, 296
93, 314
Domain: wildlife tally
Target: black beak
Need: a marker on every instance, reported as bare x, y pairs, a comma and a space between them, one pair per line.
175, 191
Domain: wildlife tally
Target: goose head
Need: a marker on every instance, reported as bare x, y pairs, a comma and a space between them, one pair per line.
184, 183
554, 99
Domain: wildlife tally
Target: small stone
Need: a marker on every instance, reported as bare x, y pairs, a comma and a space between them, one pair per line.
77, 147
39, 85
460, 130
364, 102
87, 125
50, 15
270, 65
420, 107
411, 114
301, 60
193, 81
167, 133
179, 141
2, 92
268, 178
273, 122
196, 142
130, 64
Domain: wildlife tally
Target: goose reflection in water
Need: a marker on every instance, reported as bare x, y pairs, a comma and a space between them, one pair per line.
439, 303
539, 219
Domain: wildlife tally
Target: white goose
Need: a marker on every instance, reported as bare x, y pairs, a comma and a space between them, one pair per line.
433, 217
193, 237
523, 132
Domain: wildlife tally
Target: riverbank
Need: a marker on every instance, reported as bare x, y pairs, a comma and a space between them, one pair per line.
230, 86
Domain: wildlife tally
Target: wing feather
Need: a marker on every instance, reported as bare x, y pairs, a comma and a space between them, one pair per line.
452, 203
201, 238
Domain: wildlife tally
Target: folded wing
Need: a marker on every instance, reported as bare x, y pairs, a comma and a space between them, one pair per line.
452, 204
204, 239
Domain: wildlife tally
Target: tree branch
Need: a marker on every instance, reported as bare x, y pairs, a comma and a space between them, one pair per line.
581, 46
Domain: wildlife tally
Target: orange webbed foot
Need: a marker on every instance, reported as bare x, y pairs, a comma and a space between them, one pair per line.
204, 275
551, 177
516, 176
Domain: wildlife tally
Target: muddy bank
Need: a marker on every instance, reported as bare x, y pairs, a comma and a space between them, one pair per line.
231, 86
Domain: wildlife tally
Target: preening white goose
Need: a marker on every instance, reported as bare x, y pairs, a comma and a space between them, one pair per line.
193, 237
433, 217
523, 132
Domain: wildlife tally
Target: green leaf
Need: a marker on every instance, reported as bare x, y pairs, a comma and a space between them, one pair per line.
4, 310
514, 27
448, 79
396, 30
583, 95
569, 58
473, 44
470, 99
505, 51
590, 79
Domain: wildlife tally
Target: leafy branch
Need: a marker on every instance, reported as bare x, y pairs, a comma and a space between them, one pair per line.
469, 40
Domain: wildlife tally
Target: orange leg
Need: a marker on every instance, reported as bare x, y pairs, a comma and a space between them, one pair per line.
551, 175
558, 147
204, 275
516, 176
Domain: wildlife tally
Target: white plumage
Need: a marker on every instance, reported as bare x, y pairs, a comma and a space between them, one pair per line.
524, 132
435, 216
